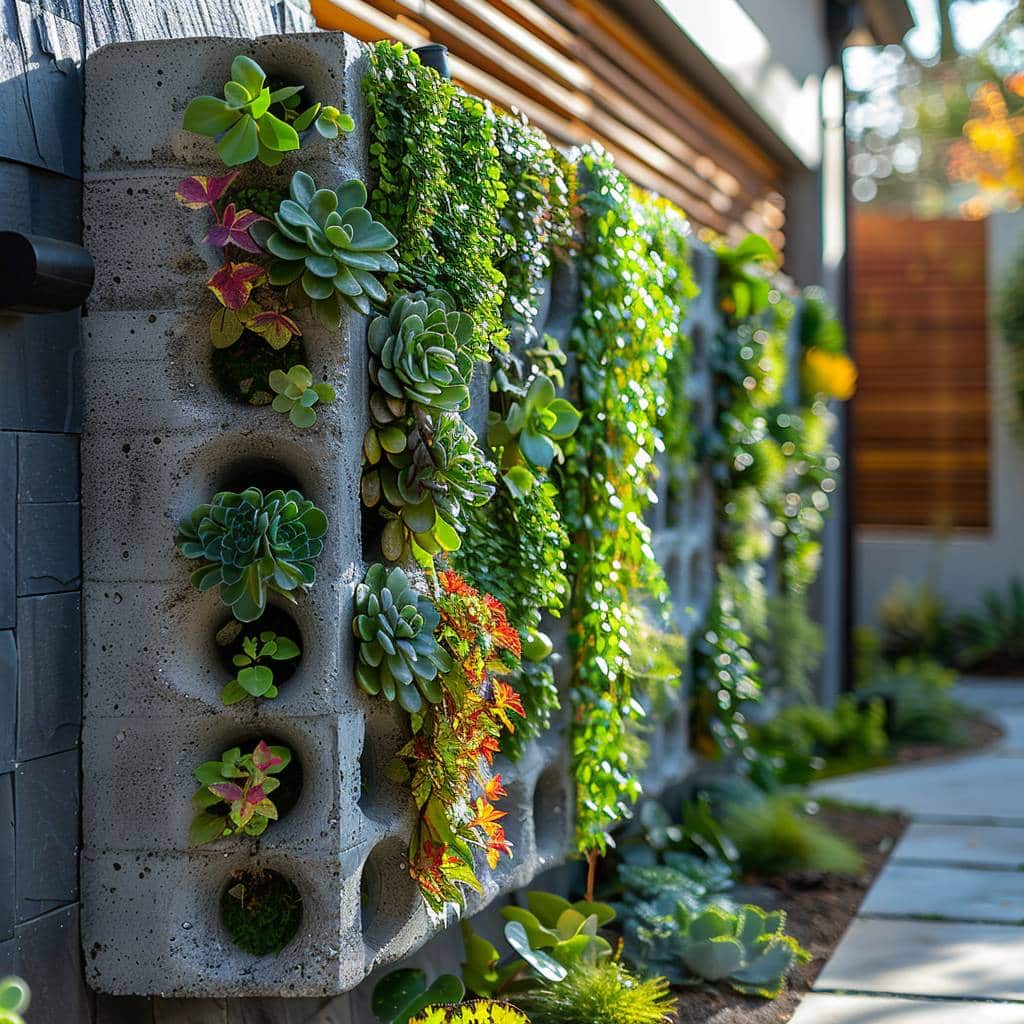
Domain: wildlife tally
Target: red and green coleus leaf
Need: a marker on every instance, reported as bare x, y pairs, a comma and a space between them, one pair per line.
200, 190
232, 228
234, 282
274, 327
265, 758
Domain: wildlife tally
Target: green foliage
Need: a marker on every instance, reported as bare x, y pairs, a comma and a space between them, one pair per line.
254, 677
531, 430
439, 186
234, 797
747, 949
253, 544
994, 635
804, 739
773, 836
791, 645
536, 220
327, 243
398, 654
820, 327
296, 394
922, 710
14, 1000
653, 891
725, 678
242, 372
479, 1011
261, 911
422, 488
420, 351
244, 122
403, 995
515, 549
623, 339
602, 993
913, 622
1010, 318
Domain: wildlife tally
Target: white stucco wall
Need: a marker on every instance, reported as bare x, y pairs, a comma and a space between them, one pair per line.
965, 563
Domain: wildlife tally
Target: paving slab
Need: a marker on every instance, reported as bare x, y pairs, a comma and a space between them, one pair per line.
928, 958
986, 787
956, 894
982, 845
846, 1009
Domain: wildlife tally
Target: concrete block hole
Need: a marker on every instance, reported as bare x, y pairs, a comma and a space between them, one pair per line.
552, 812
388, 896
260, 910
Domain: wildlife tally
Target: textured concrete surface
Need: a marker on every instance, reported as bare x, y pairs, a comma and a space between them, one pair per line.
913, 890
980, 845
850, 1009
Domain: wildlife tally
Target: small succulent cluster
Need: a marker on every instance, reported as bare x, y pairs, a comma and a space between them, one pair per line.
327, 243
419, 351
398, 654
245, 125
748, 949
296, 394
242, 782
529, 433
421, 488
255, 678
252, 544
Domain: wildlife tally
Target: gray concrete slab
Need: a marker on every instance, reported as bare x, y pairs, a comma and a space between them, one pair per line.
983, 845
848, 1009
988, 693
953, 893
928, 958
986, 787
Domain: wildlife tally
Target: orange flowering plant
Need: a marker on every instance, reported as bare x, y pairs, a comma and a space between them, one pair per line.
447, 763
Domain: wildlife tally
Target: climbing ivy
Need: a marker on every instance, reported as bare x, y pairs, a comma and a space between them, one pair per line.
439, 186
623, 339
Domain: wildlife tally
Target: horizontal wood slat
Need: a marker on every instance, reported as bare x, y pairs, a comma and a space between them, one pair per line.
579, 72
921, 415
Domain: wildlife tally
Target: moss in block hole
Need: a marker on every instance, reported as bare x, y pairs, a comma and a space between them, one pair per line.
261, 911
263, 200
242, 371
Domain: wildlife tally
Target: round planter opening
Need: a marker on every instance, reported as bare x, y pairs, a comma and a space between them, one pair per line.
387, 893
242, 370
287, 794
551, 813
261, 911
231, 636
266, 474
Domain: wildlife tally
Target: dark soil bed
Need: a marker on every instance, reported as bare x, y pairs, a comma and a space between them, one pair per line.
980, 734
819, 907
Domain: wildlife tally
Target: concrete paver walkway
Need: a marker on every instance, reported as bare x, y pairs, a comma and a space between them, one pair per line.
939, 939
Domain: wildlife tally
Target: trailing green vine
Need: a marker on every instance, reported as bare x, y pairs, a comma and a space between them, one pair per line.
439, 186
623, 340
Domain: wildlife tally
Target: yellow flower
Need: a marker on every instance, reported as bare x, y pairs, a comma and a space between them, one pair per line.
829, 373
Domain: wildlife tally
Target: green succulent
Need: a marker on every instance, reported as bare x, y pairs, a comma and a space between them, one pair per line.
328, 243
253, 543
254, 678
532, 429
422, 486
420, 351
748, 949
296, 394
398, 655
242, 123
14, 1000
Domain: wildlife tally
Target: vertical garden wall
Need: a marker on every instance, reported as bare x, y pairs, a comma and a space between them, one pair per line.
401, 506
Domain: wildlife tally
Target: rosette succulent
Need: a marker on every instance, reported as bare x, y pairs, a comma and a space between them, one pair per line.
253, 543
420, 351
424, 485
398, 654
328, 243
296, 394
235, 793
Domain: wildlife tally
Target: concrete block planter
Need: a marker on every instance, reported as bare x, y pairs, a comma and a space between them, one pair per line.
159, 439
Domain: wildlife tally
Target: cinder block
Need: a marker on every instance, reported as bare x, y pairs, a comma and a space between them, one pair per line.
50, 676
8, 524
46, 800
